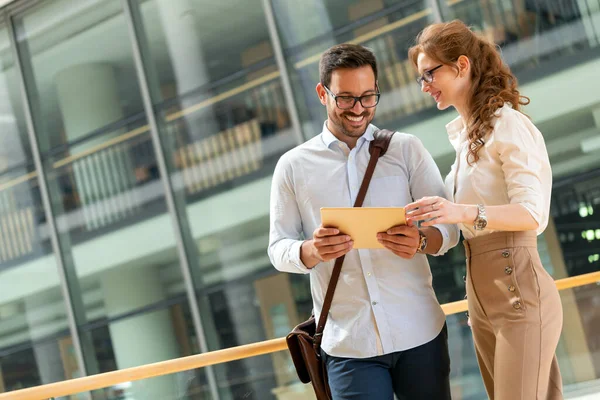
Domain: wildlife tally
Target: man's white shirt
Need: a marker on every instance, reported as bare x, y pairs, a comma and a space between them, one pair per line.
382, 303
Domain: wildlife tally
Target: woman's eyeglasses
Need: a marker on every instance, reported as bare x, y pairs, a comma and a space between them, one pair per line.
427, 76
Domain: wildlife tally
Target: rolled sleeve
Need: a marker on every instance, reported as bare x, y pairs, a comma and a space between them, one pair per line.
285, 233
426, 180
525, 163
450, 235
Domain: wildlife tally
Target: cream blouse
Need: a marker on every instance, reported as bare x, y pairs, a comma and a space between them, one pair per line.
513, 168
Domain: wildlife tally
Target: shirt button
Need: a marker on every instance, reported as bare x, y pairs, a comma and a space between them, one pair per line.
374, 303
368, 274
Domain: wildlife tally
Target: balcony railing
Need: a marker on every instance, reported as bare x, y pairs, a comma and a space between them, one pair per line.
115, 378
111, 177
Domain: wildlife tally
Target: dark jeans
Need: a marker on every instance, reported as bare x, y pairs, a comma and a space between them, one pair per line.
421, 373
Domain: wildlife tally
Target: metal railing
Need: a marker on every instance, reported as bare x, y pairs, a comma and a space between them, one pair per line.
102, 179
99, 381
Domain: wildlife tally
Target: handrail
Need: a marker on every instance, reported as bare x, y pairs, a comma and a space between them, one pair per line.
143, 129
372, 34
107, 379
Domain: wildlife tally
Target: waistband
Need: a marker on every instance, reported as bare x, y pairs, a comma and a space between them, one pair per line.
500, 240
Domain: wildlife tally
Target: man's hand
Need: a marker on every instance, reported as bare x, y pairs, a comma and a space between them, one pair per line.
402, 240
326, 244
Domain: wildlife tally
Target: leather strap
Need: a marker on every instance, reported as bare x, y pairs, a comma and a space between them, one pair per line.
377, 148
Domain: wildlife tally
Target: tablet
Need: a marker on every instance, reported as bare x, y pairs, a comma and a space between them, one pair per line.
363, 223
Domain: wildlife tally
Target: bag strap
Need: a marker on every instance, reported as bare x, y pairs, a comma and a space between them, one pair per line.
377, 148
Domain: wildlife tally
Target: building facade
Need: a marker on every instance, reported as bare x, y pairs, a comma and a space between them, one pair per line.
137, 143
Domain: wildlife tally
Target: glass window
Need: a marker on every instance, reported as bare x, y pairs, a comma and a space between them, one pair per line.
386, 27
531, 32
35, 343
117, 238
224, 123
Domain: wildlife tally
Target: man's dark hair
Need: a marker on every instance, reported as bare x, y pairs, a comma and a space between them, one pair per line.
345, 56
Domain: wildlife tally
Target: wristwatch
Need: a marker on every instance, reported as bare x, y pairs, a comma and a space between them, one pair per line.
481, 221
422, 243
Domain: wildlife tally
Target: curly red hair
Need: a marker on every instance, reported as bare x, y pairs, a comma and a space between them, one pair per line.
493, 84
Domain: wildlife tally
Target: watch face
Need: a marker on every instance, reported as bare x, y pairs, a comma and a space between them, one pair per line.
481, 223
422, 242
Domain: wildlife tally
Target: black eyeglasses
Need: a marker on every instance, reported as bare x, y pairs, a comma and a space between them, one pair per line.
427, 76
348, 102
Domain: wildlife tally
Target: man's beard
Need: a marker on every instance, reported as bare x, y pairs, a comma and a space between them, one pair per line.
344, 126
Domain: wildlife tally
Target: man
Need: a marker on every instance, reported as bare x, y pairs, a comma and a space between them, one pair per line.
385, 332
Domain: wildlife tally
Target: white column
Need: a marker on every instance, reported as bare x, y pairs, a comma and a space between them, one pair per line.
247, 324
16, 203
43, 314
181, 27
12, 150
141, 339
89, 100
591, 146
590, 18
299, 22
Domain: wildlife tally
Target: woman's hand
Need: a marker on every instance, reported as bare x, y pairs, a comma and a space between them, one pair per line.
438, 210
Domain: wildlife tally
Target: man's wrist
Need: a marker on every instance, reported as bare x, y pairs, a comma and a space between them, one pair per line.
422, 246
435, 239
307, 254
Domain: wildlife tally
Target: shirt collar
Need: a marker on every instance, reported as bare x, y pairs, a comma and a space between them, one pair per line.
329, 138
454, 129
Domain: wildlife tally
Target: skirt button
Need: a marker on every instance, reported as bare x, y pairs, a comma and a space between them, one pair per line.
517, 305
505, 254
508, 270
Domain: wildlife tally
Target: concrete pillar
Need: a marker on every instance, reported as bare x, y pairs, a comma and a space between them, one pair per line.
181, 28
590, 17
246, 320
12, 151
39, 312
141, 339
297, 23
89, 100
17, 208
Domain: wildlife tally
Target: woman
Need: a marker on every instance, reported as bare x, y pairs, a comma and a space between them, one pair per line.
500, 188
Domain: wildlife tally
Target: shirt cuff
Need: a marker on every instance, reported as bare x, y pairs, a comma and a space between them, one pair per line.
445, 240
295, 259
